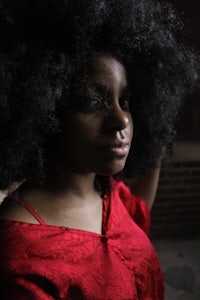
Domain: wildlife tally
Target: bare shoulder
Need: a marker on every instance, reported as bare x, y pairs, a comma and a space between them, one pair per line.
14, 211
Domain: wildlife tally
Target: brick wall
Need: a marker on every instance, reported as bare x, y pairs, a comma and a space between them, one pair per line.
176, 211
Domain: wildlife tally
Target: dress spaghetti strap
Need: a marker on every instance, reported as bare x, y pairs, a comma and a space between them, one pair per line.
32, 211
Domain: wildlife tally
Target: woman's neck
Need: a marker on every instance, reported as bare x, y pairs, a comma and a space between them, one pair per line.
72, 184
71, 201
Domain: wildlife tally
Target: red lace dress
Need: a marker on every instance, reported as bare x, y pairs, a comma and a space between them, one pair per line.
44, 262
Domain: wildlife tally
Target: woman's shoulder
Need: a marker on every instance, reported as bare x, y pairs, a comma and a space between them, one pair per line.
135, 205
11, 209
122, 189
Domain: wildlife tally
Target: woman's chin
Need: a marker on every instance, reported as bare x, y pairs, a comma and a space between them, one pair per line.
111, 169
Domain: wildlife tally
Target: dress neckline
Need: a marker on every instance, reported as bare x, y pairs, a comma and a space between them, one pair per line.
44, 225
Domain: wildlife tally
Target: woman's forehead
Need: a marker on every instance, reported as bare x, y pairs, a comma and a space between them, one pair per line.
106, 70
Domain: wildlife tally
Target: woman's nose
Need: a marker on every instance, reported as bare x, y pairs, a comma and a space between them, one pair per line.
118, 119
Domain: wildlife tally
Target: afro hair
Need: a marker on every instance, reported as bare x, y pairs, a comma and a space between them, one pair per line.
43, 45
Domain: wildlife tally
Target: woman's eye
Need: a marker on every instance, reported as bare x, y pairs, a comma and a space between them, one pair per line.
93, 104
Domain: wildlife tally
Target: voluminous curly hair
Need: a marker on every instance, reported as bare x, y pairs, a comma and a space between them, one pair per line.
44, 43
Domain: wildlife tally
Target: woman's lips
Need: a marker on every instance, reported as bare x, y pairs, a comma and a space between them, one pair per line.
117, 149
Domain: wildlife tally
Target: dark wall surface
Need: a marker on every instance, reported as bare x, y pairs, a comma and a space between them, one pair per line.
176, 212
189, 124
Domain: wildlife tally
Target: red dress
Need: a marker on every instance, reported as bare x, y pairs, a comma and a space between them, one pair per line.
44, 262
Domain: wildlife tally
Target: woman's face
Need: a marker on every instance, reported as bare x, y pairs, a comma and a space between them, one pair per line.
97, 137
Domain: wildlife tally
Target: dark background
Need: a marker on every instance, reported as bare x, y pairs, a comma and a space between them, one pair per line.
176, 212
189, 123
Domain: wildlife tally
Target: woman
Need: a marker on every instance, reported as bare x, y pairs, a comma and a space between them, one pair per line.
90, 91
